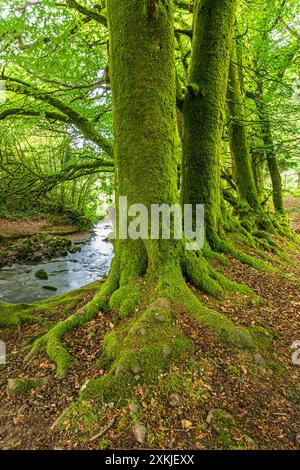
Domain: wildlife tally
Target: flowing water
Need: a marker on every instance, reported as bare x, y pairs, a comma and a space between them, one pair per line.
18, 283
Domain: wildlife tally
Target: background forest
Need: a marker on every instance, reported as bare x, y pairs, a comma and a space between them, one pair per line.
56, 121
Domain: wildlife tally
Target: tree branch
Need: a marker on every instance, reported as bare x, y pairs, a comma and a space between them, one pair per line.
28, 112
82, 123
85, 11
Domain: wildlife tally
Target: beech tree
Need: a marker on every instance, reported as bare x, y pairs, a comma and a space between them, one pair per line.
151, 279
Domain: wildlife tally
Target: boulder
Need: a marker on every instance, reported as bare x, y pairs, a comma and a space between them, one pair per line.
41, 274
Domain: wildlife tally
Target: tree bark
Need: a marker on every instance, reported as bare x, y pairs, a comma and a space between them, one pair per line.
142, 70
238, 137
272, 161
204, 108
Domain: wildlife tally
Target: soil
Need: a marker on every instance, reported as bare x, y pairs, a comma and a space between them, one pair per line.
293, 207
28, 227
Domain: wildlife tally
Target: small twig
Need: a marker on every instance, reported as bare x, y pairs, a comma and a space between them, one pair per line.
104, 430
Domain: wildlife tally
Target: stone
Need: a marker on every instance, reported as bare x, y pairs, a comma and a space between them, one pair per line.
119, 369
240, 338
175, 399
160, 303
41, 274
297, 439
74, 249
50, 288
140, 433
17, 387
250, 442
136, 368
220, 421
37, 257
259, 360
133, 408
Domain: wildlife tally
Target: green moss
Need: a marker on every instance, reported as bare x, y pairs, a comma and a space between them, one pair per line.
51, 341
14, 315
264, 342
125, 300
18, 387
137, 353
82, 418
204, 107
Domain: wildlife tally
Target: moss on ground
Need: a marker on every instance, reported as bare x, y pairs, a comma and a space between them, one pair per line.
19, 387
136, 353
14, 315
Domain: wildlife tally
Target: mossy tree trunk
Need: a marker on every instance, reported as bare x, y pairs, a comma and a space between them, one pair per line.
272, 161
238, 137
204, 108
142, 71
148, 277
258, 162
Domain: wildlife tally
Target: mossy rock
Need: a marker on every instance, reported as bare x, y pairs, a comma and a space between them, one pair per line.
19, 387
41, 274
220, 421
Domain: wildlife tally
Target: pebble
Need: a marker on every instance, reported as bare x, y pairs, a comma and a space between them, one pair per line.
133, 408
175, 399
140, 433
259, 360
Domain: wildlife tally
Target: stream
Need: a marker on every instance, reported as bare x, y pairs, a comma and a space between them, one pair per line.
18, 283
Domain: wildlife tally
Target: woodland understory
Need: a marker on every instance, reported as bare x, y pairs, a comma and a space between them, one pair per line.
175, 348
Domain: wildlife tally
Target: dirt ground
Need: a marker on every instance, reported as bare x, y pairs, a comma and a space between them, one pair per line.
28, 227
262, 398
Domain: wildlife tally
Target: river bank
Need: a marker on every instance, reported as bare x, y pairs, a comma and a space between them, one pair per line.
35, 239
44, 265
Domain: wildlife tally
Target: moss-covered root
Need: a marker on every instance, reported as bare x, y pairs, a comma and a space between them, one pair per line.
136, 354
148, 343
227, 247
206, 279
51, 341
224, 328
12, 315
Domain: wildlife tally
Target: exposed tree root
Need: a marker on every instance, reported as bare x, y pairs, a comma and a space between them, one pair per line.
143, 299
151, 341
124, 299
51, 341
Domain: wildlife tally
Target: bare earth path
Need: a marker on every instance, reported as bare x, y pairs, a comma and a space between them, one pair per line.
28, 227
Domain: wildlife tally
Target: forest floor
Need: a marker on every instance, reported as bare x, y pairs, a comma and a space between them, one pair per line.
34, 239
28, 227
262, 398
